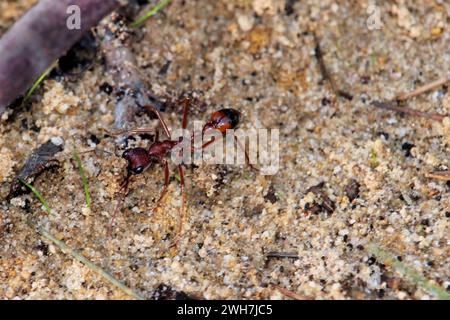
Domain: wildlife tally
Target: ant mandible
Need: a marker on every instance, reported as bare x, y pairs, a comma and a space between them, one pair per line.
140, 159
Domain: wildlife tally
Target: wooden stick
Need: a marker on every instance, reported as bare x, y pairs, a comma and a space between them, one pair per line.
116, 40
39, 38
326, 74
291, 294
391, 105
428, 87
440, 175
275, 254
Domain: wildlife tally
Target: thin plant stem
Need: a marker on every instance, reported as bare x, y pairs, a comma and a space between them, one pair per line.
440, 175
91, 266
292, 294
84, 179
428, 87
39, 196
76, 255
409, 273
412, 112
151, 13
38, 82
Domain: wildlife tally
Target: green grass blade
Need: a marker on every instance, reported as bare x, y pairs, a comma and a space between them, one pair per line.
90, 265
77, 256
38, 195
409, 273
38, 82
151, 13
87, 192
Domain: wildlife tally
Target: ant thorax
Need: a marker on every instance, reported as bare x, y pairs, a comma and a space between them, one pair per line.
160, 149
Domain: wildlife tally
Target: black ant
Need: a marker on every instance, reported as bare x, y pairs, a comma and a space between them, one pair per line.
140, 159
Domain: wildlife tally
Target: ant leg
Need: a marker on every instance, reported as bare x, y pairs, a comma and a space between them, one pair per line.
247, 158
182, 209
95, 150
206, 144
130, 132
151, 108
186, 105
166, 184
124, 188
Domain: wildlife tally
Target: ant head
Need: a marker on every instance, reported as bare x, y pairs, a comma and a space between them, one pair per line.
138, 159
222, 120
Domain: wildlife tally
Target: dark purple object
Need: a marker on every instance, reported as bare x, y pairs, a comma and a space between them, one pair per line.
39, 38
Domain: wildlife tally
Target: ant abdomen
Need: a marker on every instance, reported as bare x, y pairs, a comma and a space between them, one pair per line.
223, 120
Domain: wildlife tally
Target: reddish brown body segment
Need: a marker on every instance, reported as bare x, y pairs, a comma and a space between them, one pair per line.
160, 149
139, 159
223, 120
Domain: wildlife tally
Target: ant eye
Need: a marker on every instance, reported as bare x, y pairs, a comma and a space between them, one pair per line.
138, 170
125, 154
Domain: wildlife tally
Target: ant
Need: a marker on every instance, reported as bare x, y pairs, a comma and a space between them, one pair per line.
140, 159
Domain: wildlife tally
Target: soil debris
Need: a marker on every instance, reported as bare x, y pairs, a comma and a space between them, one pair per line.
165, 292
352, 189
325, 203
40, 160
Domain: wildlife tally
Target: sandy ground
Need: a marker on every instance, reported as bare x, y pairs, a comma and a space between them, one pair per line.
258, 57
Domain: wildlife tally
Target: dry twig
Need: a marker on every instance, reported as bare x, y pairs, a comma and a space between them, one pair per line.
392, 106
275, 254
428, 87
39, 38
326, 74
130, 89
440, 175
291, 294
